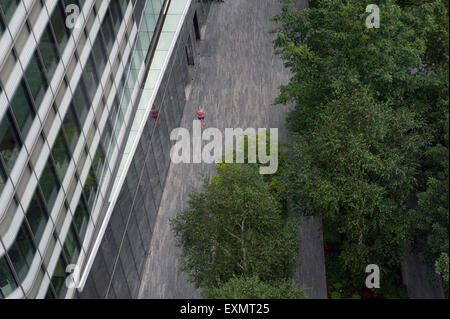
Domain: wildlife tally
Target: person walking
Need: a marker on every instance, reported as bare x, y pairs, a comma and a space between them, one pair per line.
201, 115
154, 113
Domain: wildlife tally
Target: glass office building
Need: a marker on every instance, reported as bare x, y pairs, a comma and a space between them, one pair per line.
69, 97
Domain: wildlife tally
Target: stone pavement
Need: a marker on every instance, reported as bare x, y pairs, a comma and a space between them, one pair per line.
236, 81
419, 277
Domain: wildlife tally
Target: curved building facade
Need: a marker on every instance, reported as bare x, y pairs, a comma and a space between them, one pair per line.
82, 166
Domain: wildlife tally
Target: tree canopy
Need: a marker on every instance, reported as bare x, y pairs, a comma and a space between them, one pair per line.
235, 226
355, 169
370, 123
254, 288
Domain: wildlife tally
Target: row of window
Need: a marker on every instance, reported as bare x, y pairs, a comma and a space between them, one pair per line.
62, 152
13, 129
25, 102
22, 252
16, 122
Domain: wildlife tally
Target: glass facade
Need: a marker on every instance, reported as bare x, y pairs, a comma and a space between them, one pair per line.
63, 117
10, 142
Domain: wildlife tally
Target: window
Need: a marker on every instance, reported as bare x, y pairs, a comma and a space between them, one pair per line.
37, 215
71, 128
59, 27
108, 141
124, 4
59, 277
72, 246
36, 79
114, 110
139, 10
22, 252
90, 79
124, 106
99, 161
80, 102
60, 154
98, 51
116, 15
90, 188
81, 218
2, 27
7, 281
108, 31
3, 178
49, 184
9, 142
106, 136
22, 109
49, 52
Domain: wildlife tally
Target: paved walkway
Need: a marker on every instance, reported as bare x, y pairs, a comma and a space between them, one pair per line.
418, 279
236, 82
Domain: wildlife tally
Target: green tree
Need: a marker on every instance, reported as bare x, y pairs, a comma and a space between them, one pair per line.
253, 288
430, 219
432, 26
329, 49
276, 181
342, 162
235, 226
442, 269
356, 169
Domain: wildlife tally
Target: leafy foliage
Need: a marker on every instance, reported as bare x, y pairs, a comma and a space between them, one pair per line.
254, 288
442, 268
329, 49
355, 168
276, 181
431, 217
371, 107
235, 227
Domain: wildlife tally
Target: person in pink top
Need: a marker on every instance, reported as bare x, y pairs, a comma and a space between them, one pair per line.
154, 113
201, 115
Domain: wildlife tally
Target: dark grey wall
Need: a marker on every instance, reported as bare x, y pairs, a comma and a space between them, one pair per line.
152, 161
